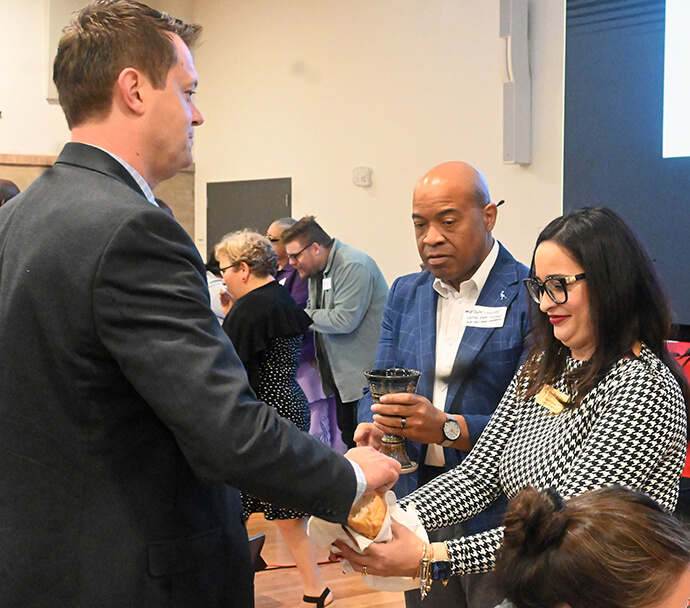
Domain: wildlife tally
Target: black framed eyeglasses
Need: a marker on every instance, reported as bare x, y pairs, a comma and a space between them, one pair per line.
272, 239
222, 270
555, 287
295, 256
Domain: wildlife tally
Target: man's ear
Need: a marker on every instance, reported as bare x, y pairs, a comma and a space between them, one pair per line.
129, 89
490, 212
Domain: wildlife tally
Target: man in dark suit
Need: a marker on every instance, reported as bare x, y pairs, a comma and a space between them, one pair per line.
124, 410
462, 322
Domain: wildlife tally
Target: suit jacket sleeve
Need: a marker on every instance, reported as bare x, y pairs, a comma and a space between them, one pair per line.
386, 351
176, 356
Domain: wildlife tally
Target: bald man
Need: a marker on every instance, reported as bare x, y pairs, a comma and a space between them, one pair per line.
462, 322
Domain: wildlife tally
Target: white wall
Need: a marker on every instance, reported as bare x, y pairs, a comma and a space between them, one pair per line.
29, 124
310, 89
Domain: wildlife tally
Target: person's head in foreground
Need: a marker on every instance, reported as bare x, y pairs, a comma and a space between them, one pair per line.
607, 548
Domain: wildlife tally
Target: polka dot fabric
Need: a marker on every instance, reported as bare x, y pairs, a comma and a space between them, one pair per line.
279, 389
278, 386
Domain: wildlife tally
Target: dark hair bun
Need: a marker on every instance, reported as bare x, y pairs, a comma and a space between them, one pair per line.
536, 523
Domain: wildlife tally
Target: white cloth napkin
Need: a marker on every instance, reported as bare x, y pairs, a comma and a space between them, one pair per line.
324, 533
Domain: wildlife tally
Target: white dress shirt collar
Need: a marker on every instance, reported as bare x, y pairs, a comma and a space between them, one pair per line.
477, 281
141, 182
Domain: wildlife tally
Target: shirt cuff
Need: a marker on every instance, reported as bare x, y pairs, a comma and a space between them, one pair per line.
361, 481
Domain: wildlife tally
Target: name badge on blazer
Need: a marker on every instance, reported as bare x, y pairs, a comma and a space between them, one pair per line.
485, 316
327, 283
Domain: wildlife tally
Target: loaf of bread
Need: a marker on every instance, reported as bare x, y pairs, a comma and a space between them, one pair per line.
367, 515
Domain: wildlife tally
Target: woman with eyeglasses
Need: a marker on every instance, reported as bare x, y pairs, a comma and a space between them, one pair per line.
266, 327
598, 401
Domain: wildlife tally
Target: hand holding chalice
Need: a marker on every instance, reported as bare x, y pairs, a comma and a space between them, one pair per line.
394, 380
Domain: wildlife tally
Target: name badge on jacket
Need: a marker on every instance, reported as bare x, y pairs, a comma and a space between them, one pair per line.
327, 283
485, 316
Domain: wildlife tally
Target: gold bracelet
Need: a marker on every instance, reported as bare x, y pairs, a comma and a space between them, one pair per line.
419, 572
424, 570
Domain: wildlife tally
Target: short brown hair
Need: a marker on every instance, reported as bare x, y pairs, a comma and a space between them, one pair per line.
103, 39
606, 548
306, 231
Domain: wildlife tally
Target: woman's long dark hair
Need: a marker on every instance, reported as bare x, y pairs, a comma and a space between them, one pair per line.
627, 303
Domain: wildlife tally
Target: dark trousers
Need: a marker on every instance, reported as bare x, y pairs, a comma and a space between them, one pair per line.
346, 414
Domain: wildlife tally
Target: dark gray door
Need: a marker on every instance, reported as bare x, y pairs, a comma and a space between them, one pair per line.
246, 204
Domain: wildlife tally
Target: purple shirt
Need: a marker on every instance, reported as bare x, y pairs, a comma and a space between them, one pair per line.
298, 287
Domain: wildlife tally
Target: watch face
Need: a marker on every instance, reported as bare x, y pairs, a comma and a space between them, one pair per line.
451, 429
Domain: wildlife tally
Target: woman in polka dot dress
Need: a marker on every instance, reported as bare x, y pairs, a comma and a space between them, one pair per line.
266, 327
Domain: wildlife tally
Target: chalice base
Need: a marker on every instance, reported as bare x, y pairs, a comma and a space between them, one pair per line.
394, 447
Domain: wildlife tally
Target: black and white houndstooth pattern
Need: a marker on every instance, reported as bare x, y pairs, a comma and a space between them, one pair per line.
630, 429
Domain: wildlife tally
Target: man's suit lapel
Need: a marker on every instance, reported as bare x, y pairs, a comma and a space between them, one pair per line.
426, 300
501, 288
88, 157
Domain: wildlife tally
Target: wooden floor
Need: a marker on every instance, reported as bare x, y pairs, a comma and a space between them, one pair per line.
281, 588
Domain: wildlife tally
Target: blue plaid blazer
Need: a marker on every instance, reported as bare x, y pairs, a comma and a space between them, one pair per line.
485, 363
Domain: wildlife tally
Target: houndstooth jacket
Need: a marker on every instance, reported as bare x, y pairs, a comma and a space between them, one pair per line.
630, 430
